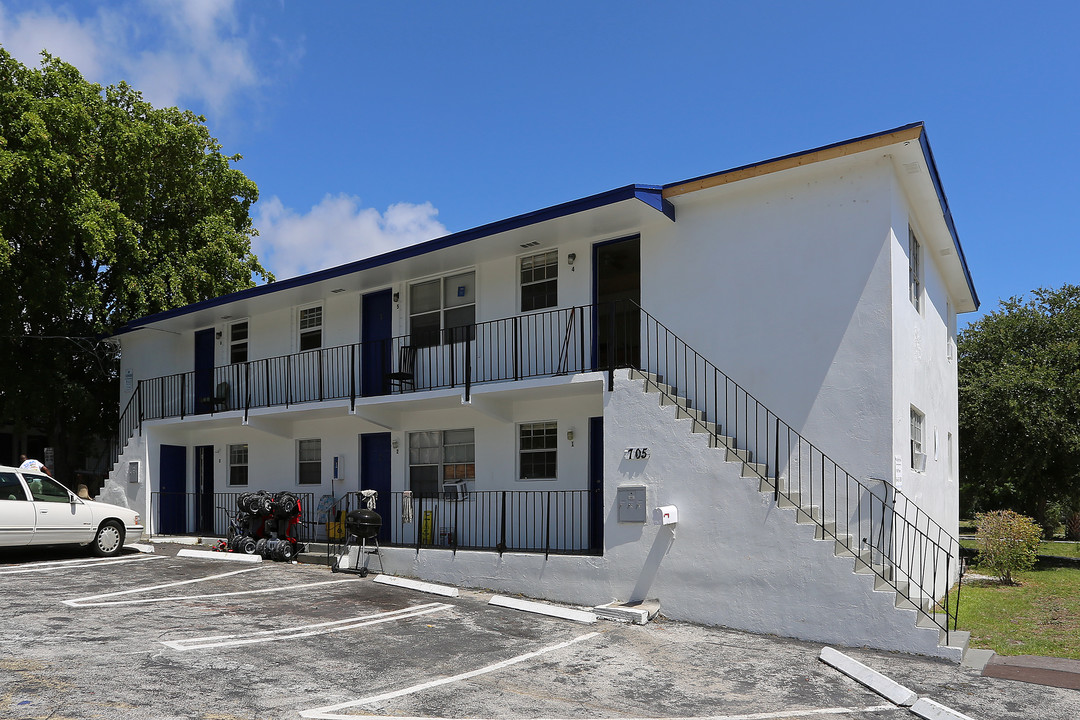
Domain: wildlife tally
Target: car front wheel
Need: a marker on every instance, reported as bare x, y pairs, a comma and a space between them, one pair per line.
109, 539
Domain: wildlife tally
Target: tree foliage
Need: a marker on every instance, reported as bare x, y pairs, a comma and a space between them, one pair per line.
1008, 543
110, 209
1019, 377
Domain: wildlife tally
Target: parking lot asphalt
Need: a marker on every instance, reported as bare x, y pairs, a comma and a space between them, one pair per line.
162, 636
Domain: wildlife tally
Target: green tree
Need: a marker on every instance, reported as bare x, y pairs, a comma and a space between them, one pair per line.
1019, 376
110, 209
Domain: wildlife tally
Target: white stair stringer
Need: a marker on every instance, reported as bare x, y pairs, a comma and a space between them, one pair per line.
118, 490
888, 598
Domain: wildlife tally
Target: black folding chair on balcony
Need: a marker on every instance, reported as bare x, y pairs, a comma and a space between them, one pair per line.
405, 374
220, 398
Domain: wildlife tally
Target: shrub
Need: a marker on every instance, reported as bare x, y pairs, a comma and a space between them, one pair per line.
1072, 526
1008, 543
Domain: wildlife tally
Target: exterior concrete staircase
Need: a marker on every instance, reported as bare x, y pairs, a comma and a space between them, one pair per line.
952, 644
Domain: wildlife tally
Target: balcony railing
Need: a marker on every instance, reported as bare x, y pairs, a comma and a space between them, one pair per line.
543, 344
532, 521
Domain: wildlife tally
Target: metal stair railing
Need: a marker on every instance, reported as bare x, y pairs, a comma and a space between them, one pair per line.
886, 532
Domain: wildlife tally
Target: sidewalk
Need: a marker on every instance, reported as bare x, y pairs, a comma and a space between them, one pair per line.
1054, 672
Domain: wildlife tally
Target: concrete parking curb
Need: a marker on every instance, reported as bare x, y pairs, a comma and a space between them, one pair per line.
892, 691
565, 613
213, 555
927, 708
432, 588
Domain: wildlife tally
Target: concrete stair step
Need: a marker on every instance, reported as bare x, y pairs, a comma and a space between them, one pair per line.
687, 412
752, 470
734, 454
702, 426
721, 441
672, 399
842, 546
825, 531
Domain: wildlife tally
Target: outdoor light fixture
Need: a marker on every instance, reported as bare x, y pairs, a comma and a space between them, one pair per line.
394, 443
571, 258
396, 295
570, 436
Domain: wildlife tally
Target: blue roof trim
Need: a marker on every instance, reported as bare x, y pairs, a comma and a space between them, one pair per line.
909, 126
928, 155
649, 194
653, 195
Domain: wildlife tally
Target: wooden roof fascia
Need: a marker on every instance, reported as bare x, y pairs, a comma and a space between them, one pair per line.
788, 162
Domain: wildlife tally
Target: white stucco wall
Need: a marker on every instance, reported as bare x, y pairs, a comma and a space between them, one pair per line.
783, 282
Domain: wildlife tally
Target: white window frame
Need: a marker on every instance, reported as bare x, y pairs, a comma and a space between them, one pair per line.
461, 456
550, 265
542, 426
301, 461
918, 440
302, 331
238, 458
417, 339
234, 343
914, 270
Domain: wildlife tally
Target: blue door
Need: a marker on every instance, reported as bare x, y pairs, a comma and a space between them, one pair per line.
375, 474
204, 370
617, 295
375, 351
596, 485
172, 483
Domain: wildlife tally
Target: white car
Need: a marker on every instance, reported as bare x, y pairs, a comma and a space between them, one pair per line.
37, 510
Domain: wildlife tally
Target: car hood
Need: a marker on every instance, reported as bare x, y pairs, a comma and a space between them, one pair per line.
103, 510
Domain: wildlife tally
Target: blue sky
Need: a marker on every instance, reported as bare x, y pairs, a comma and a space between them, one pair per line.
371, 125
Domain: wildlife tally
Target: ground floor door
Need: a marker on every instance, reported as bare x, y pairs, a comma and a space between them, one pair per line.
596, 485
172, 490
204, 489
375, 474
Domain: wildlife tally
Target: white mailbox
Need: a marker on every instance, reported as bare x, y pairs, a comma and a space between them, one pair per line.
666, 515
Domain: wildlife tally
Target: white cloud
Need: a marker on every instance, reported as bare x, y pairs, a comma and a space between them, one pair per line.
77, 41
336, 231
176, 52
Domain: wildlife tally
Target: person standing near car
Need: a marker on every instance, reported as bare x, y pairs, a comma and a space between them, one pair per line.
33, 465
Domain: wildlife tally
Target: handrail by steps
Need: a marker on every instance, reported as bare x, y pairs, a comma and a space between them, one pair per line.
873, 521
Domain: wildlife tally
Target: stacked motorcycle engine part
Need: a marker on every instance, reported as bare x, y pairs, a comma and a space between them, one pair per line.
269, 520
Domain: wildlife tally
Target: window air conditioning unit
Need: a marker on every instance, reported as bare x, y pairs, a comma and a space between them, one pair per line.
918, 462
455, 490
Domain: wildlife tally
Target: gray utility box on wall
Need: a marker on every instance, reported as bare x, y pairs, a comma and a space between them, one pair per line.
631, 503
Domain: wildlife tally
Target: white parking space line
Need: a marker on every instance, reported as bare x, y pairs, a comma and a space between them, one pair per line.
90, 600
55, 565
303, 631
327, 712
781, 715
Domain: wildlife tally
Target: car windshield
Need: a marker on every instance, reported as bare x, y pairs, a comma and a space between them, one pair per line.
45, 489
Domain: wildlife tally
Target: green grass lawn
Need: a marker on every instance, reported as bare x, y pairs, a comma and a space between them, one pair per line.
1040, 616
